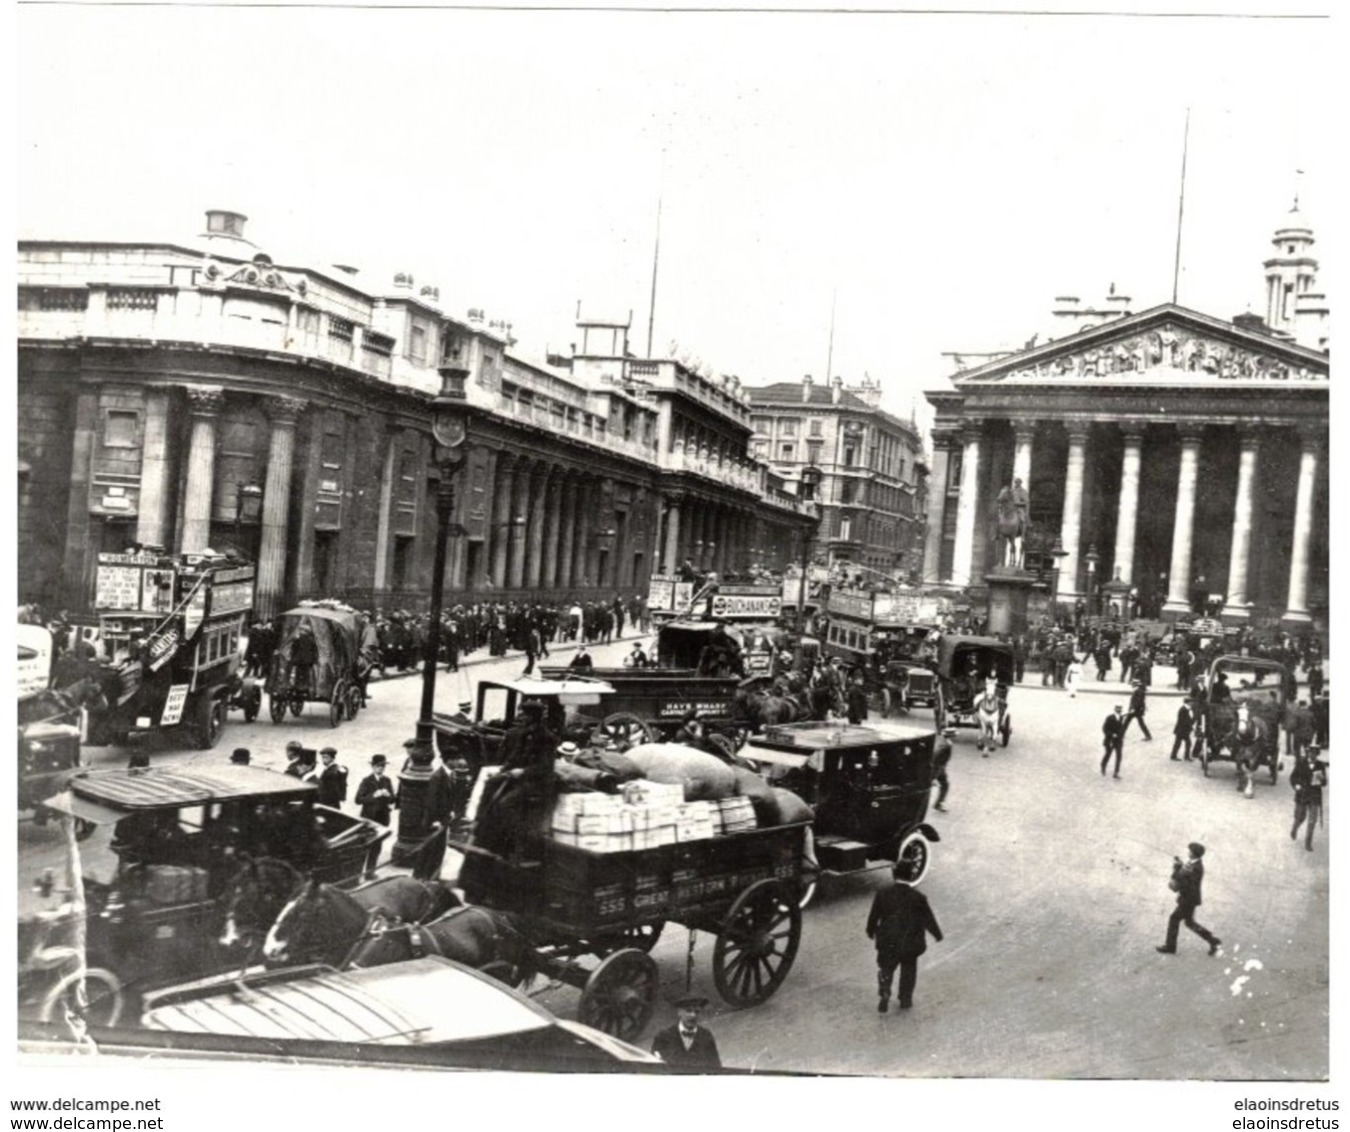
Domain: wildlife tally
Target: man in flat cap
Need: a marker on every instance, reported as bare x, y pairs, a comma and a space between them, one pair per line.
332, 779
688, 1045
1187, 877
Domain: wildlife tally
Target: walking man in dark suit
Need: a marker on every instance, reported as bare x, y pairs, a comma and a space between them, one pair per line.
687, 1045
1113, 734
1138, 706
899, 922
375, 796
1187, 877
1181, 732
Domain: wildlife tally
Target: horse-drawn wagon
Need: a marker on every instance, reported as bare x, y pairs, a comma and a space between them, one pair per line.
317, 660
974, 674
573, 904
179, 838
646, 705
869, 785
1239, 719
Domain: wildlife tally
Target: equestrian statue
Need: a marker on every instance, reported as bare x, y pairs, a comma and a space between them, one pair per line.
1013, 502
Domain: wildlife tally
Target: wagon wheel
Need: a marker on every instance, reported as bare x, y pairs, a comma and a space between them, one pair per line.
209, 724
643, 937
336, 706
757, 944
626, 727
353, 701
103, 1004
915, 854
1005, 728
620, 994
276, 706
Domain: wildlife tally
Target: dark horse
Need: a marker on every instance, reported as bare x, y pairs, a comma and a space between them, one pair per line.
323, 924
761, 706
474, 936
262, 887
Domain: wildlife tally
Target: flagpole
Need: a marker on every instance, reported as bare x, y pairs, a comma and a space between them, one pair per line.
1181, 206
656, 255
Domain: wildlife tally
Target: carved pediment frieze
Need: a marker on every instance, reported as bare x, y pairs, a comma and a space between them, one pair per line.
1168, 351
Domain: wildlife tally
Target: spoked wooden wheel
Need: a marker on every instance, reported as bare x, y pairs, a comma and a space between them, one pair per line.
627, 728
620, 995
297, 703
757, 944
336, 707
276, 706
103, 1002
353, 701
1005, 729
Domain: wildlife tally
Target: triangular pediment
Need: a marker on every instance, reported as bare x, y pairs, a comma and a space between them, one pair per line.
1167, 345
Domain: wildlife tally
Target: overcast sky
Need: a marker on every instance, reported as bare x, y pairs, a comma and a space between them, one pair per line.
939, 178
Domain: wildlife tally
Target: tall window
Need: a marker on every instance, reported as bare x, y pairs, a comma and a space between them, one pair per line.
816, 426
119, 430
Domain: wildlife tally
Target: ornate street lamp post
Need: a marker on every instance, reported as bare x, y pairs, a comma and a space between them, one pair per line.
1058, 553
450, 428
810, 481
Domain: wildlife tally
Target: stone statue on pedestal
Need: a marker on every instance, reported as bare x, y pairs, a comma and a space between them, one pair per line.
1013, 504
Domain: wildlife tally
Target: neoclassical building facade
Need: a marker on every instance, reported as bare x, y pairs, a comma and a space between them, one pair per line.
196, 394
1183, 455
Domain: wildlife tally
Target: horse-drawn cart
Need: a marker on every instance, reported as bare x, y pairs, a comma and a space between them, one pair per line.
573, 904
317, 660
1239, 720
975, 674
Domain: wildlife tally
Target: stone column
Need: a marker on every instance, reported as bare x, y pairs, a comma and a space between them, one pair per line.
534, 530
1179, 576
581, 563
1127, 513
672, 559
283, 413
1296, 612
552, 517
1235, 607
385, 523
520, 495
499, 522
1071, 528
937, 510
966, 508
81, 554
1024, 433
567, 502
205, 403
152, 516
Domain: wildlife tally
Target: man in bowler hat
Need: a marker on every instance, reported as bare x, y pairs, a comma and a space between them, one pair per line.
1187, 877
900, 922
376, 797
687, 1045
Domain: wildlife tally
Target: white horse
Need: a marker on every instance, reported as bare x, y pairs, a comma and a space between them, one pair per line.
987, 715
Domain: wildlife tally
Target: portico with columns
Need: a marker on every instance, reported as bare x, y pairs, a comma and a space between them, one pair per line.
1187, 452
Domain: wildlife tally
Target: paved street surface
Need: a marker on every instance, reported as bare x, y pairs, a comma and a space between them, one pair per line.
1050, 884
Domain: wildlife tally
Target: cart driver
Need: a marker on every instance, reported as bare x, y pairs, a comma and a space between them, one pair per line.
520, 795
304, 655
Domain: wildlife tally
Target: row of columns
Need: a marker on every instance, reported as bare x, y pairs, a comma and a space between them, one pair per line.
712, 536
204, 405
1178, 597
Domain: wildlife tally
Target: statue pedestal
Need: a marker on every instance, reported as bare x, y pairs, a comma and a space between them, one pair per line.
1009, 589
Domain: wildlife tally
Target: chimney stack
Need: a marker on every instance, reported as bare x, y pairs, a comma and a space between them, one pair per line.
838, 389
807, 382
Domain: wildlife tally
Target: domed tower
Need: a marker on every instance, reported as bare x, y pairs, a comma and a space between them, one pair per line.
1291, 272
